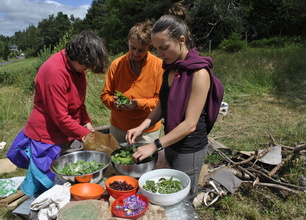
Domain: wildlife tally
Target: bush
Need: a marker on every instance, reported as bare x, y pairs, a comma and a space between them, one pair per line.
277, 42
30, 53
233, 43
4, 77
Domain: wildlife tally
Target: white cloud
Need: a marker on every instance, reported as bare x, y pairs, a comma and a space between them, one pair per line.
17, 15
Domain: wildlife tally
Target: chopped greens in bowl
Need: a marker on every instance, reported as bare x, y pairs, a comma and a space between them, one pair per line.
79, 168
163, 185
122, 161
123, 156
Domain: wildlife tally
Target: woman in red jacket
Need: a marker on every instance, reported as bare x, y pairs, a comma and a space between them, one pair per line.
59, 114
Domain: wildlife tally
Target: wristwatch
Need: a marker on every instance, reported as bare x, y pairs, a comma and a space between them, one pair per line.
158, 144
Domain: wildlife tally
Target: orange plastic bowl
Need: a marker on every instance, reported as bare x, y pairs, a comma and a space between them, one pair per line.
84, 179
122, 214
117, 193
85, 191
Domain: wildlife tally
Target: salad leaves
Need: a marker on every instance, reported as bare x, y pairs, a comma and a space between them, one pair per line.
122, 99
79, 168
125, 156
163, 186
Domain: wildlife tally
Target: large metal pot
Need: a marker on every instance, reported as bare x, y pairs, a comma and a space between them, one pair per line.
134, 170
86, 156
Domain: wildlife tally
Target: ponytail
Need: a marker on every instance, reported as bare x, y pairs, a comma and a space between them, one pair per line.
175, 24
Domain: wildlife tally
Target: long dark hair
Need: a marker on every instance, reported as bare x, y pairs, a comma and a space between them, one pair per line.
175, 24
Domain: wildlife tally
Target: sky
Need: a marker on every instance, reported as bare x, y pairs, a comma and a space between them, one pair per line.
17, 15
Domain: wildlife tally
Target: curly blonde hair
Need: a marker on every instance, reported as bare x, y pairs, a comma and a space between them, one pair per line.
141, 32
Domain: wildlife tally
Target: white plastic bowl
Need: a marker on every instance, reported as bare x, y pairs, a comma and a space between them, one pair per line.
165, 199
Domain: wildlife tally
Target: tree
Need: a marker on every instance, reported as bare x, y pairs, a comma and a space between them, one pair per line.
216, 19
278, 17
112, 19
4, 47
95, 15
28, 40
53, 28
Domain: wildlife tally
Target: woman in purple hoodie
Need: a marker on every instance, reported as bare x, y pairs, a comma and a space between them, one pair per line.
183, 99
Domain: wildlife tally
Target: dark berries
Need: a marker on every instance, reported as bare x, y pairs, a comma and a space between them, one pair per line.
121, 186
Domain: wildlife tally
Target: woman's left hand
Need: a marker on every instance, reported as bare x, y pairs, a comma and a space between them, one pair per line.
143, 152
89, 126
129, 106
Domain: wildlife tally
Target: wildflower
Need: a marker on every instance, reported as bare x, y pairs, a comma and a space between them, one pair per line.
132, 205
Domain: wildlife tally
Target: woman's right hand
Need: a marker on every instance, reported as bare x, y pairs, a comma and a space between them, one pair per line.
115, 103
132, 134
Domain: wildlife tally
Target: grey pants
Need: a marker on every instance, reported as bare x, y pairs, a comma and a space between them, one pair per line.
144, 138
191, 164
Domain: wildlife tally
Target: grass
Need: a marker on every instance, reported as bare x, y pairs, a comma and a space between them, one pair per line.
265, 90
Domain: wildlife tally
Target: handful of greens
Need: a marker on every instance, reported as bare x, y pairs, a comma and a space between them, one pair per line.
163, 186
124, 156
79, 168
122, 99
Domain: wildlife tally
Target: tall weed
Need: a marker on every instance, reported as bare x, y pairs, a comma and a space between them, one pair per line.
98, 112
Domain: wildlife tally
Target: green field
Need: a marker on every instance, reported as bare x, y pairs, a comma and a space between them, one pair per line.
266, 93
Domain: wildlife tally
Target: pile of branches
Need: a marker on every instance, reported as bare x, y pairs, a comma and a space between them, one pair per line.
250, 170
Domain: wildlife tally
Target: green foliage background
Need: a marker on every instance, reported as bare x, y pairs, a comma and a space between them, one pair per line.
210, 21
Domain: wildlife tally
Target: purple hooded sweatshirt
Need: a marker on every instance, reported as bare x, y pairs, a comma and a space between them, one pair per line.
181, 89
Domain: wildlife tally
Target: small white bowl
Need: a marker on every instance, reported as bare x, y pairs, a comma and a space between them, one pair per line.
165, 199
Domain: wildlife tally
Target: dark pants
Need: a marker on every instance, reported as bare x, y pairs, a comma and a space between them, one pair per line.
191, 164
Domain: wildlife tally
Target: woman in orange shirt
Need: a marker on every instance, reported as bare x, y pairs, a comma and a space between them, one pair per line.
138, 75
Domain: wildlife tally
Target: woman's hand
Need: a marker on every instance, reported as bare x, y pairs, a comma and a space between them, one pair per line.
143, 152
115, 103
130, 106
132, 134
89, 126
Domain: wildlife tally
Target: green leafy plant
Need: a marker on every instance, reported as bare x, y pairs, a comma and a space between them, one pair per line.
79, 168
122, 99
233, 43
125, 156
163, 186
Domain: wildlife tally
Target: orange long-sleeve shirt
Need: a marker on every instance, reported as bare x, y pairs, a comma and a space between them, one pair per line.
145, 88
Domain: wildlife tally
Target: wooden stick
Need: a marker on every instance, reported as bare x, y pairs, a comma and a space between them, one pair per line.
246, 161
17, 202
263, 153
278, 182
273, 140
275, 169
274, 143
238, 166
274, 186
11, 198
286, 147
298, 149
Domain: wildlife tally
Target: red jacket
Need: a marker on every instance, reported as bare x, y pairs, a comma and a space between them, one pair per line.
59, 112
